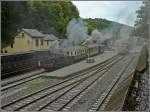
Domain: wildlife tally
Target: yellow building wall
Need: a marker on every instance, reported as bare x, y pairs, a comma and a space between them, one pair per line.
39, 47
25, 43
21, 44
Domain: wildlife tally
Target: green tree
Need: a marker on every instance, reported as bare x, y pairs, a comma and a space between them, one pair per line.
90, 25
142, 23
97, 23
53, 15
14, 16
46, 16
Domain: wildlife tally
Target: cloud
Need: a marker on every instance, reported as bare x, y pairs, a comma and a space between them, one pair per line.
119, 11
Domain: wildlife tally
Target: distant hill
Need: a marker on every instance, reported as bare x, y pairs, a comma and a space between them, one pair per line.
103, 25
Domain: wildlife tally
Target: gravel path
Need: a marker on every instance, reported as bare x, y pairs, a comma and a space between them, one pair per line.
143, 93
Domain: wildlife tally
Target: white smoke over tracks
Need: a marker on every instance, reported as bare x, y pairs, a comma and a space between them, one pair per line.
77, 33
98, 37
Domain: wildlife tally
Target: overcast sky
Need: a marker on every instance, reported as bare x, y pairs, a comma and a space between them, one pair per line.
119, 11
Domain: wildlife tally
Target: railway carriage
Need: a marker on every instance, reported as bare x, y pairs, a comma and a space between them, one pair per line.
93, 50
76, 53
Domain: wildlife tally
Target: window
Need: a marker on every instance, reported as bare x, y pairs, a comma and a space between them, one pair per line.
1, 51
11, 45
47, 42
37, 42
28, 42
5, 51
42, 42
22, 34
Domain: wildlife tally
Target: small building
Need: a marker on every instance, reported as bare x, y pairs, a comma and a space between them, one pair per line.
50, 39
29, 40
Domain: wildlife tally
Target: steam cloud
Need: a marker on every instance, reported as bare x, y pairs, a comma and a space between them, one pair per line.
77, 33
98, 37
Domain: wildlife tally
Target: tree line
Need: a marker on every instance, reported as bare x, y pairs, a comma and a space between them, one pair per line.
45, 16
142, 23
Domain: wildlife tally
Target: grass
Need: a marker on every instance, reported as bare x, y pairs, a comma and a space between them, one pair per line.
35, 83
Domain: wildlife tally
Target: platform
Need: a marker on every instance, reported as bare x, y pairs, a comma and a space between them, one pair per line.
80, 66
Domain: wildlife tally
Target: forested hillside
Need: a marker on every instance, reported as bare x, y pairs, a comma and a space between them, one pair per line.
45, 16
97, 23
104, 25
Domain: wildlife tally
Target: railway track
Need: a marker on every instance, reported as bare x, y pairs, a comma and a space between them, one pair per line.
101, 103
84, 101
81, 83
11, 80
19, 82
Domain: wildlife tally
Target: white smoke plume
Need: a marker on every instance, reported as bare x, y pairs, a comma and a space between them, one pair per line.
98, 37
77, 33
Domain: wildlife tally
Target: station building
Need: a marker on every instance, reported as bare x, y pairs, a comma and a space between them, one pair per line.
30, 40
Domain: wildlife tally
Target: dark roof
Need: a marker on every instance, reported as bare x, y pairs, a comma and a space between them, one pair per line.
93, 45
33, 33
50, 37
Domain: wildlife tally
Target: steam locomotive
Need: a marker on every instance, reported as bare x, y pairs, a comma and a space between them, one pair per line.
72, 55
